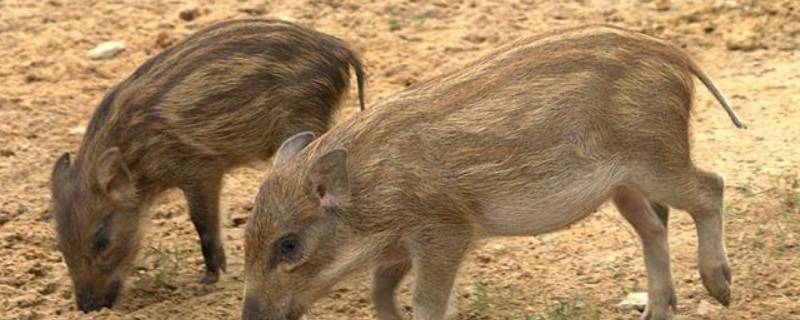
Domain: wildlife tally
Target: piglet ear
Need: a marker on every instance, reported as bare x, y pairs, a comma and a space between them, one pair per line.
328, 179
61, 168
292, 147
113, 177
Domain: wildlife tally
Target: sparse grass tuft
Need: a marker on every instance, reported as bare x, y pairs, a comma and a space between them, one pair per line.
759, 244
480, 302
395, 23
775, 234
746, 190
167, 263
780, 244
574, 308
422, 17
732, 211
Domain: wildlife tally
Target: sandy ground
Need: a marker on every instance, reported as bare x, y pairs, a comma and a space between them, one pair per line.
49, 88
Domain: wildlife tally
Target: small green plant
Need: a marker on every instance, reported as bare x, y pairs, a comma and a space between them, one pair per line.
480, 300
394, 21
422, 17
730, 210
759, 244
746, 190
789, 207
780, 244
395, 24
574, 308
166, 265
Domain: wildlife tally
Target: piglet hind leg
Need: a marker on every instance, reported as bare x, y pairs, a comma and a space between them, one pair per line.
712, 256
700, 194
202, 196
703, 200
652, 231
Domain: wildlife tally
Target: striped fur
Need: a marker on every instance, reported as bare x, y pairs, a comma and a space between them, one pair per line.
222, 97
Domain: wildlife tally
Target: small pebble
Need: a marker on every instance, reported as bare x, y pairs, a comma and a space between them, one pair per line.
662, 5
254, 10
634, 300
189, 14
742, 39
106, 50
77, 130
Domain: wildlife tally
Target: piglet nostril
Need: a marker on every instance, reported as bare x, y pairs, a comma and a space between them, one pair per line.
88, 303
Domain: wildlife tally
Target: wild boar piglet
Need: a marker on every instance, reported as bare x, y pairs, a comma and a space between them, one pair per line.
227, 95
527, 140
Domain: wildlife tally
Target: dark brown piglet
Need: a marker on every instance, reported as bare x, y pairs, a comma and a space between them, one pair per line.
224, 96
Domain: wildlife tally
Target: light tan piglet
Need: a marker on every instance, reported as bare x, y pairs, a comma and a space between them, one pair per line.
525, 141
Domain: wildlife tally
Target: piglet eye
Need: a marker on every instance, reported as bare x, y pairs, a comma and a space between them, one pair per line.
289, 247
101, 243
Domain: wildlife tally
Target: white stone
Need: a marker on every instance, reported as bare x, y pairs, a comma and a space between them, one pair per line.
106, 50
634, 300
496, 248
79, 129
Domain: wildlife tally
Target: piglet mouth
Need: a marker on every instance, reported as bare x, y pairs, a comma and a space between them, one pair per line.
89, 304
254, 310
295, 314
89, 301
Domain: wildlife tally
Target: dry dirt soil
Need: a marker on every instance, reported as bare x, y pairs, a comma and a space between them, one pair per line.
49, 88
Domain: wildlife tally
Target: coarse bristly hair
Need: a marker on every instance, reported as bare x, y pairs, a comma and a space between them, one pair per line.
224, 96
527, 140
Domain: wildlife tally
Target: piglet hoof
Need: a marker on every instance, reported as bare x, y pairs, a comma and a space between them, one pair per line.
209, 278
215, 263
386, 313
654, 315
717, 281
218, 261
660, 311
